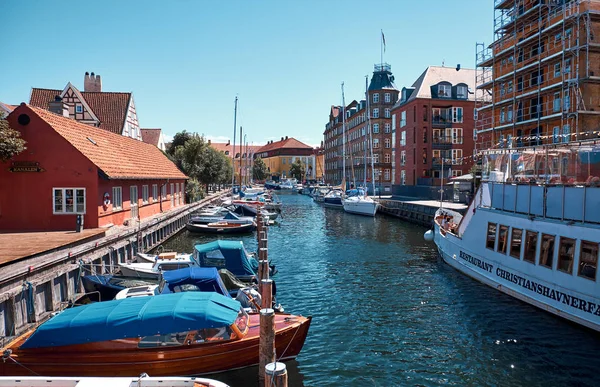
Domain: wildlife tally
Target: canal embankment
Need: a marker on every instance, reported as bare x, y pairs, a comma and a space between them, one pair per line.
416, 211
40, 273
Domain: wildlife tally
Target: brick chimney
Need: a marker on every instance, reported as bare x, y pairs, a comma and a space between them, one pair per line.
59, 107
92, 82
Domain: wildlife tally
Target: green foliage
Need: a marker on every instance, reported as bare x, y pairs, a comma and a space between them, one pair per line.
194, 191
259, 170
179, 140
189, 156
11, 143
298, 170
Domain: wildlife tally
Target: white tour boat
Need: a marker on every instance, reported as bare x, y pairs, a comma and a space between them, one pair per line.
532, 230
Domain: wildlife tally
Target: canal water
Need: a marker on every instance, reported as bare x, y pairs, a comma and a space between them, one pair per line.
388, 312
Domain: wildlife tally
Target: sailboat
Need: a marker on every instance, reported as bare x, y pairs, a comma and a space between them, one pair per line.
335, 196
361, 203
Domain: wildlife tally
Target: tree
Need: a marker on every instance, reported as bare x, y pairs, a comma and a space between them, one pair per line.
259, 170
297, 170
179, 139
189, 156
11, 143
194, 191
214, 165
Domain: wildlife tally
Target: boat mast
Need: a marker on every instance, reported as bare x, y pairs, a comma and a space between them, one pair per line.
343, 138
370, 137
233, 154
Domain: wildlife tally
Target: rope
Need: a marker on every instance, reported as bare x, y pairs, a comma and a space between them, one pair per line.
78, 280
19, 364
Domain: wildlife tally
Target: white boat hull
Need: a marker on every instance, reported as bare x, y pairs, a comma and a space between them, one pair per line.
578, 307
360, 206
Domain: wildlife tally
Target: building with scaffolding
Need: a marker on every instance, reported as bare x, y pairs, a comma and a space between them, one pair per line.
539, 81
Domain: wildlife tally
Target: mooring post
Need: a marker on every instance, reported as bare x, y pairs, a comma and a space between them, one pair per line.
276, 375
267, 293
266, 345
259, 225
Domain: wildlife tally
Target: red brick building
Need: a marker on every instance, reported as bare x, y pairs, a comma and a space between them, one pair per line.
433, 120
70, 168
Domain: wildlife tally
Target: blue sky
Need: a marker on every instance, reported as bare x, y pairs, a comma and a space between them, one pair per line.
185, 60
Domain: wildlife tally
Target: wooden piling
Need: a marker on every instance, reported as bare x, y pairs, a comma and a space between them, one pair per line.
267, 293
259, 226
266, 345
276, 375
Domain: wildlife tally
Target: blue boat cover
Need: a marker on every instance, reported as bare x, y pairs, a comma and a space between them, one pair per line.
207, 279
231, 216
135, 317
221, 254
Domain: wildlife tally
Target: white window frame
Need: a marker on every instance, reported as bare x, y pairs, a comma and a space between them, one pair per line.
403, 157
457, 155
465, 92
376, 113
387, 113
403, 138
137, 198
457, 115
117, 193
556, 135
182, 195
403, 119
403, 177
387, 143
172, 195
387, 97
78, 108
386, 174
457, 135
387, 128
64, 201
557, 68
566, 133
387, 158
375, 128
376, 98
375, 143
145, 194
376, 158
163, 192
444, 91
154, 193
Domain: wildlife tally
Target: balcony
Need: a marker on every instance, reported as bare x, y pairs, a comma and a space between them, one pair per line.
444, 142
443, 120
436, 163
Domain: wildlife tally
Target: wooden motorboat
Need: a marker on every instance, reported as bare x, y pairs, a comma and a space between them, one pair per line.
142, 257
108, 285
140, 381
221, 227
181, 334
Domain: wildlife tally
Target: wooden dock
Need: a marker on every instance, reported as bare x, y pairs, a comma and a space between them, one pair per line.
20, 245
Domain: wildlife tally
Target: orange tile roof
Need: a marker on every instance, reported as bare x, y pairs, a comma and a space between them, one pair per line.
151, 136
7, 107
109, 107
119, 157
287, 143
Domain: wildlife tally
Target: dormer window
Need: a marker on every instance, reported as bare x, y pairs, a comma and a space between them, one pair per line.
376, 98
444, 91
461, 91
403, 95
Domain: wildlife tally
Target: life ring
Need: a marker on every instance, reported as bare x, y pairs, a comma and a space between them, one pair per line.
106, 201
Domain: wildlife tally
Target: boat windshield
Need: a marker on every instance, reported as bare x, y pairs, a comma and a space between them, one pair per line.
242, 321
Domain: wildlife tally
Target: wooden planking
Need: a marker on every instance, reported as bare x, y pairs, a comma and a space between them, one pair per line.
15, 246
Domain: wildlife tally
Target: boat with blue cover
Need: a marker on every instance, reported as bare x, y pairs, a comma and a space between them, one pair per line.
180, 334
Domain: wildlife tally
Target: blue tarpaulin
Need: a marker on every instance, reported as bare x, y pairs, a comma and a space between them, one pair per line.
229, 255
207, 279
135, 317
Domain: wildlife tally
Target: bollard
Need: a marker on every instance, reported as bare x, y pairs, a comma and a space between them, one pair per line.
266, 345
276, 375
259, 226
264, 243
267, 293
262, 256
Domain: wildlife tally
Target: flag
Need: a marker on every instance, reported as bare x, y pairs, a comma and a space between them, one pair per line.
383, 40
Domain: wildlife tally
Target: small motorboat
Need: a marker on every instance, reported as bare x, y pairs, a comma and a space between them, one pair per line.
221, 227
151, 270
108, 285
140, 381
334, 198
142, 257
190, 333
225, 215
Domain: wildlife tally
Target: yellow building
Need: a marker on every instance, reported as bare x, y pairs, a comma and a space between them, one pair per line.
242, 159
279, 157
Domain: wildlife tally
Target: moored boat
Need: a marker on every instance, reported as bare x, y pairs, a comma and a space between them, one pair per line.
529, 237
360, 205
221, 227
108, 285
141, 381
190, 333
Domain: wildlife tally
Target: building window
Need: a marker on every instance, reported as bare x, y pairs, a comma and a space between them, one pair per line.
457, 156
424, 155
502, 89
509, 87
376, 113
457, 114
376, 98
588, 260
456, 173
403, 119
557, 70
457, 135
515, 243
387, 97
531, 238
444, 91
172, 195
144, 194
566, 136
461, 92
567, 102
403, 177
182, 196
388, 143
403, 158
386, 174
68, 200
502, 116
566, 255
403, 138
375, 143
163, 191
376, 158
567, 66
547, 252
556, 135
386, 113
117, 198
133, 196
155, 192
509, 114
387, 158
556, 103
78, 109
491, 236
375, 128
387, 127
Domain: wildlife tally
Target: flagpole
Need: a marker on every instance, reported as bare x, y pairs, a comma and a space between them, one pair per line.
381, 47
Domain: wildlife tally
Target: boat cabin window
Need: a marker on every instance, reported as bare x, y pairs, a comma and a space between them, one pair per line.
502, 239
531, 238
515, 243
547, 252
167, 340
566, 255
172, 266
186, 288
491, 236
588, 260
209, 335
214, 258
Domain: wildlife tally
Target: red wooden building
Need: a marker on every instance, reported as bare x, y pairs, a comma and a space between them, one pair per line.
71, 169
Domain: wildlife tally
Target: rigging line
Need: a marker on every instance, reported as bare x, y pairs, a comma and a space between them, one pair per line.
19, 364
291, 341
